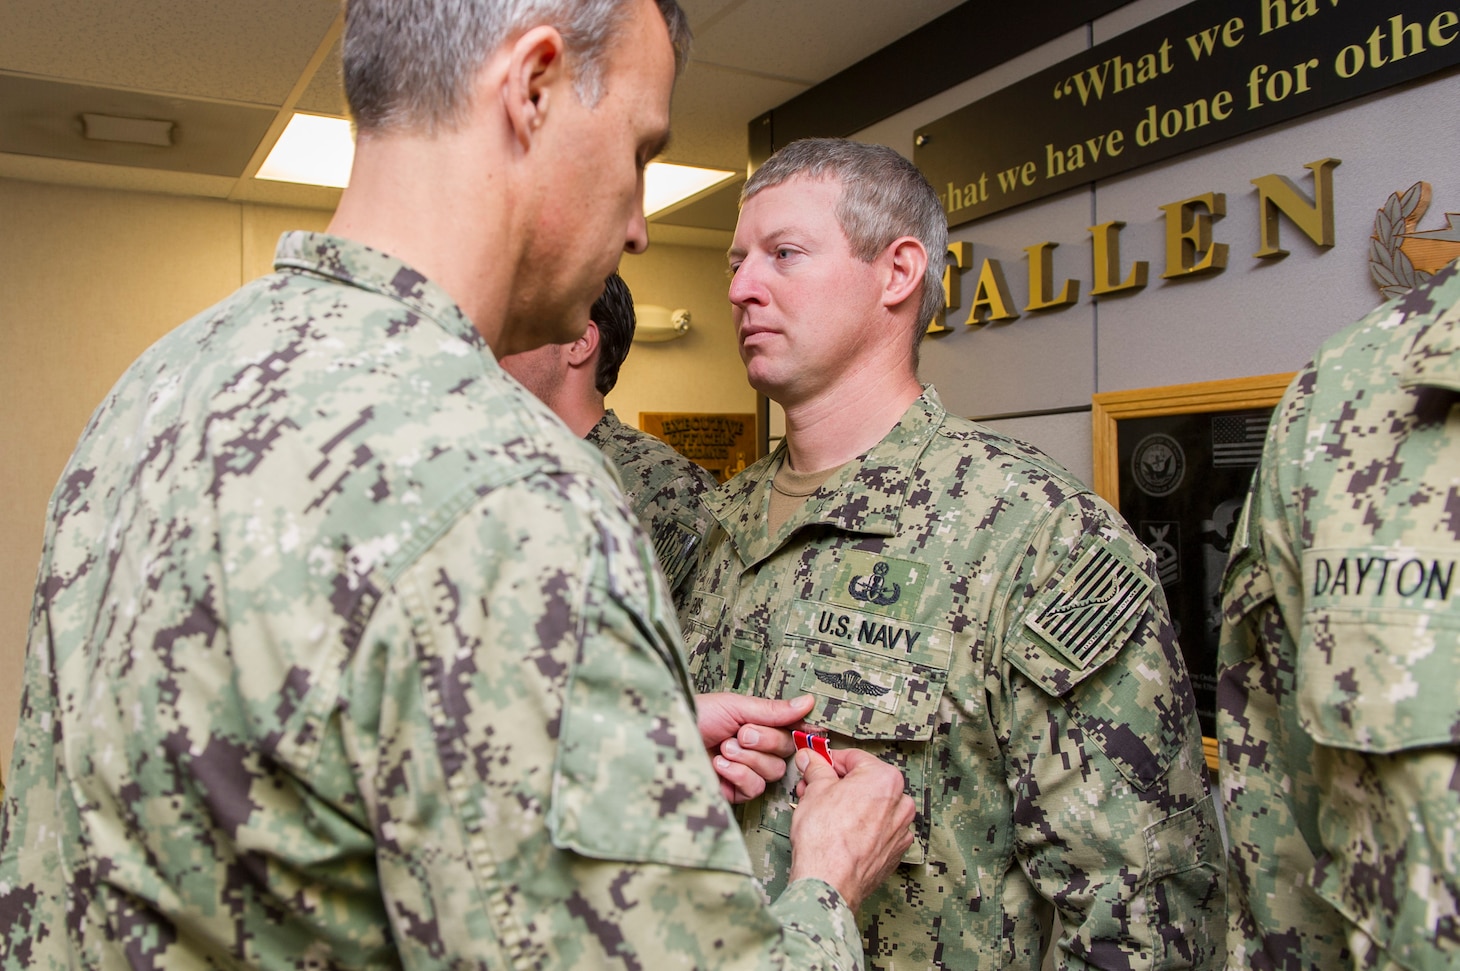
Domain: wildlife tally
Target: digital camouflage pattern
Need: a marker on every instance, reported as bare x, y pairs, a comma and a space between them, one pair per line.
663, 488
345, 653
1337, 703
964, 609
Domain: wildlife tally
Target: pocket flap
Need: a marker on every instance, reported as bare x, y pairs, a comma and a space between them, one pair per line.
1379, 649
630, 779
874, 677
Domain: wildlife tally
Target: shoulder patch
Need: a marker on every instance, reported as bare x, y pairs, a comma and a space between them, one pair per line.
677, 547
1097, 597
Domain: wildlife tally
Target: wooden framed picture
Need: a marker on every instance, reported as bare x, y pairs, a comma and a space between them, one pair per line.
1177, 462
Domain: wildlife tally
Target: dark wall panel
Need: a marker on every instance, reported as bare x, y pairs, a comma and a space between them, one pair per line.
962, 43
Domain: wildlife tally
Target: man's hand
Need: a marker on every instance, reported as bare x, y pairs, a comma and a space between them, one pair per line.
851, 825
749, 739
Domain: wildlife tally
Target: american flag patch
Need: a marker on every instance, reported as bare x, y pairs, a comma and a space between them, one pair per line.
1095, 599
676, 545
1237, 439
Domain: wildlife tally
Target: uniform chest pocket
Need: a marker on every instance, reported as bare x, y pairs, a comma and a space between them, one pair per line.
879, 693
701, 621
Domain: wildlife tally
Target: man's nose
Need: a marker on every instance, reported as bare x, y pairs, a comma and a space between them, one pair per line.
638, 236
744, 288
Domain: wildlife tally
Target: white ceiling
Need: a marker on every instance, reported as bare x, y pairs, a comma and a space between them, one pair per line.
229, 73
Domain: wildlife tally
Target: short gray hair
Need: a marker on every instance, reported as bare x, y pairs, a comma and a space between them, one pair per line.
409, 64
884, 197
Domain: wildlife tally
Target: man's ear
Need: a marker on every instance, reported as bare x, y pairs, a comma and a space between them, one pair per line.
537, 75
584, 350
906, 262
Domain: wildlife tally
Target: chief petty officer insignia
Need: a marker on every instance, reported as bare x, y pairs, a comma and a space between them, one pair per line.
875, 589
851, 681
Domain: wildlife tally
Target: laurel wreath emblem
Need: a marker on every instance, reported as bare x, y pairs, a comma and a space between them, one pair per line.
1390, 267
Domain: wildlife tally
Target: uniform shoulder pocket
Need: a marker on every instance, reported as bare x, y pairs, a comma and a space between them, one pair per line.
676, 545
1379, 648
631, 781
1096, 640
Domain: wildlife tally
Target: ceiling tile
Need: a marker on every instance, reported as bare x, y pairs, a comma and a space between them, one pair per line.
700, 12
719, 209
172, 58
248, 51
809, 42
326, 92
57, 171
711, 109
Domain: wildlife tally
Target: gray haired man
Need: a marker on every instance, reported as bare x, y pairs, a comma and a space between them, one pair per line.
344, 652
958, 604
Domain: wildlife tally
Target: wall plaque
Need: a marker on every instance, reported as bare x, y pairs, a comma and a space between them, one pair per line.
1401, 255
1204, 73
722, 443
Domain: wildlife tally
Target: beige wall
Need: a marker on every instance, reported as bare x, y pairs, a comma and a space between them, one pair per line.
90, 277
700, 371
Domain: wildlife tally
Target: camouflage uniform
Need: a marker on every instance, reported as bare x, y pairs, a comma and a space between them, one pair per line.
1338, 706
935, 595
346, 654
663, 487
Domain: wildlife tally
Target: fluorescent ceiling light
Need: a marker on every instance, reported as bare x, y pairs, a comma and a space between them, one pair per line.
666, 184
314, 150
317, 150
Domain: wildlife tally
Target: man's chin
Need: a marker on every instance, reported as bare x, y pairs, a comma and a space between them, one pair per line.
761, 383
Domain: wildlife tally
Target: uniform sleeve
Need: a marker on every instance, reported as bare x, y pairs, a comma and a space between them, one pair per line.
32, 877
1337, 701
1269, 791
1114, 822
538, 786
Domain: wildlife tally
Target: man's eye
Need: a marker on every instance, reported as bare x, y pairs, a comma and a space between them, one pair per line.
783, 253
730, 270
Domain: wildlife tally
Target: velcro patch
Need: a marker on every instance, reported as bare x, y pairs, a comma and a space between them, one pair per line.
677, 547
1098, 596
